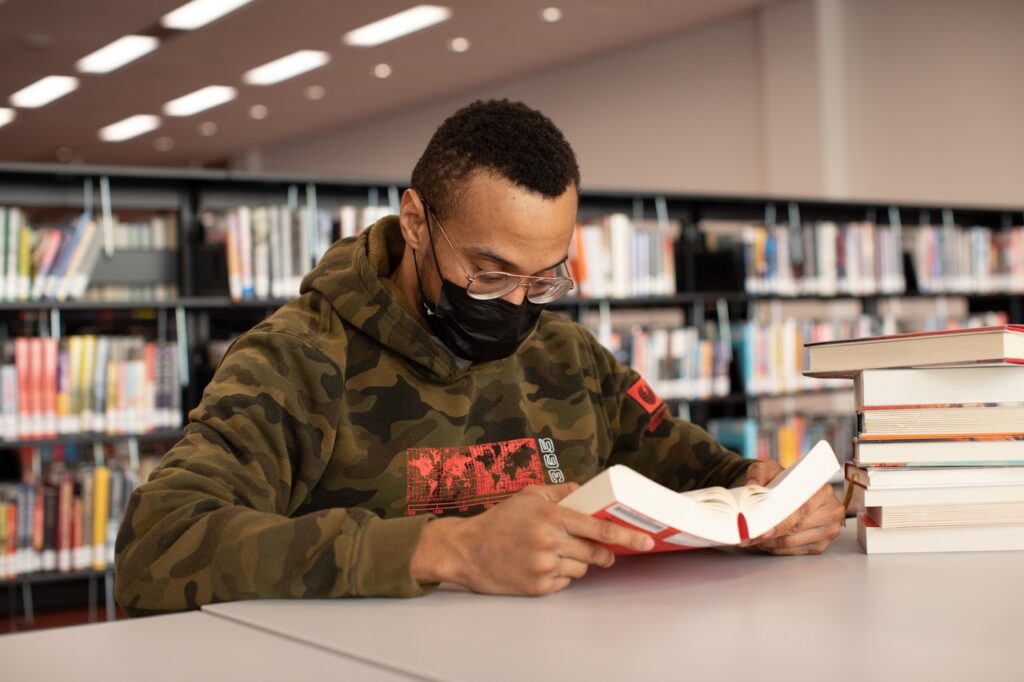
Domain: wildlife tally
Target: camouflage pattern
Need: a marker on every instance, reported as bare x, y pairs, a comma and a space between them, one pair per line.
336, 429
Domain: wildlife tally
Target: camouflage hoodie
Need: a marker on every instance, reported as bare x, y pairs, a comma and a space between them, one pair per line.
336, 429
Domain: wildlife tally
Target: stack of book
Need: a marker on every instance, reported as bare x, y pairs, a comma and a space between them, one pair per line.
939, 455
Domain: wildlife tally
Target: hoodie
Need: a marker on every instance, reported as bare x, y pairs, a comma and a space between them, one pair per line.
336, 429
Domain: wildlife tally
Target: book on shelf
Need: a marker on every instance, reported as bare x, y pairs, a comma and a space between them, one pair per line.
817, 259
702, 518
617, 257
66, 523
42, 263
998, 345
87, 384
974, 259
938, 386
269, 249
783, 439
968, 538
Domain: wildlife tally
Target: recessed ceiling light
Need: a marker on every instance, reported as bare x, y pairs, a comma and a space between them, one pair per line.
126, 129
6, 116
286, 67
382, 70
199, 13
551, 14
207, 128
314, 92
44, 91
397, 25
117, 54
458, 44
163, 144
258, 112
200, 100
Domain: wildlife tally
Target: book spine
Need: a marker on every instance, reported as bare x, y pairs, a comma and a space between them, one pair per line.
101, 493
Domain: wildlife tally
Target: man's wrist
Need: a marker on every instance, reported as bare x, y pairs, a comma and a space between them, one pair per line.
436, 558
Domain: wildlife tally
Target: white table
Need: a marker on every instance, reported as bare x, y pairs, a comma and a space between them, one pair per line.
187, 646
696, 615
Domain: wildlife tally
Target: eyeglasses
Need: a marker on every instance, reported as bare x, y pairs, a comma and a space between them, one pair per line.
492, 284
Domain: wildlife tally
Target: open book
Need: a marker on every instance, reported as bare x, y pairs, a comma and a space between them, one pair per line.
702, 518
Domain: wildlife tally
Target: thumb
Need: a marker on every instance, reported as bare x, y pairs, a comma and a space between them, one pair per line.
557, 492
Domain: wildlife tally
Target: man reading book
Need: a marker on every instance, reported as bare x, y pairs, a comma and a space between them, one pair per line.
415, 415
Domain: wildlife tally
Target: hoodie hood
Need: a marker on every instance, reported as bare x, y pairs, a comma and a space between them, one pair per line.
349, 276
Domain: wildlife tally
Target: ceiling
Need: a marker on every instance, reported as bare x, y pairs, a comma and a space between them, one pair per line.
508, 39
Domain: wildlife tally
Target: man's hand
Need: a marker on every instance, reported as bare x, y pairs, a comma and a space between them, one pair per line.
525, 545
810, 529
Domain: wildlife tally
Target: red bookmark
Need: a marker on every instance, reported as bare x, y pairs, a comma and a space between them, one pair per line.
741, 521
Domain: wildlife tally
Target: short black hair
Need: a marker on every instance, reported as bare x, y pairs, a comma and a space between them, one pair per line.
496, 136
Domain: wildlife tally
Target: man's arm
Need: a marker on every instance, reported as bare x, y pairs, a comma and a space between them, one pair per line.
214, 523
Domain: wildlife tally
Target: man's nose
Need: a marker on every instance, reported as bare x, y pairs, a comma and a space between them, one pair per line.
516, 296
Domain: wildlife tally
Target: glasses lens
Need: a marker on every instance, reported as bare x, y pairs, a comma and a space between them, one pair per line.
488, 285
548, 290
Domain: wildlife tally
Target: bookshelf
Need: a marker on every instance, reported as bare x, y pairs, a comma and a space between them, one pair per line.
201, 314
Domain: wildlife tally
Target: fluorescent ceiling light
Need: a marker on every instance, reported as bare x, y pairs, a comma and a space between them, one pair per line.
117, 54
286, 67
6, 116
200, 100
397, 25
199, 13
44, 91
126, 129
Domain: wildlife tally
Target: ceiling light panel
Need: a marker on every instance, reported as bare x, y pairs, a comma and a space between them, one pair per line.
200, 100
126, 129
397, 25
117, 54
44, 91
199, 13
286, 67
6, 116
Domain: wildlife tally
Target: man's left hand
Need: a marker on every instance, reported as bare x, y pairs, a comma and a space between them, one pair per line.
810, 529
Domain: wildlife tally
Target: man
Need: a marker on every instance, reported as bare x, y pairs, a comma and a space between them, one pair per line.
414, 417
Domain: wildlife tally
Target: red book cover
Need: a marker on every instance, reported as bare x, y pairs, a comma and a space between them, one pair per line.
22, 362
12, 537
48, 387
35, 378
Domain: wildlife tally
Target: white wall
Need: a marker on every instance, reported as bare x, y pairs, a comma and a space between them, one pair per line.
890, 99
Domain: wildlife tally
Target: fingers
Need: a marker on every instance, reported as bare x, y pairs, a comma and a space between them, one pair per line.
552, 493
762, 473
586, 552
570, 568
605, 532
811, 541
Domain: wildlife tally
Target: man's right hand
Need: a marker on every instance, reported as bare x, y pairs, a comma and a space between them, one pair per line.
526, 545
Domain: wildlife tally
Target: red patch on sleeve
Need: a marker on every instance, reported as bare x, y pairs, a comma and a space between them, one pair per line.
644, 396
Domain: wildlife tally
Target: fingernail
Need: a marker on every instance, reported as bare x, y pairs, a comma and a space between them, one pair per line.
647, 544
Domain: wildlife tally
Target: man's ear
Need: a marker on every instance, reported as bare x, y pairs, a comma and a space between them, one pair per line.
414, 228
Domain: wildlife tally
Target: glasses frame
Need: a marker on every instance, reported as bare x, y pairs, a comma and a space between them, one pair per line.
525, 281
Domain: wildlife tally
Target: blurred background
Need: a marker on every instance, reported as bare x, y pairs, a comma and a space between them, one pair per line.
882, 99
757, 175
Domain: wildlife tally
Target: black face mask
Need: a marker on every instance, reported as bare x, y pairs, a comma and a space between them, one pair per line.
479, 330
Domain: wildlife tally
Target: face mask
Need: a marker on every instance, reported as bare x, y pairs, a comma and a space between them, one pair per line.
477, 330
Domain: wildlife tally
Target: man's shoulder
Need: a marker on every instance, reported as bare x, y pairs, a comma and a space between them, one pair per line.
307, 320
